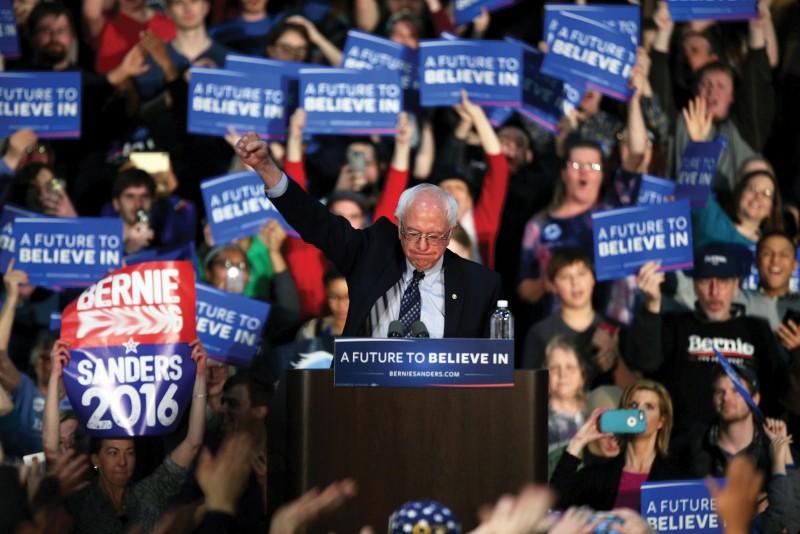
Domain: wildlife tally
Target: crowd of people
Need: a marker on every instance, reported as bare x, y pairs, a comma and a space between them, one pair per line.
515, 202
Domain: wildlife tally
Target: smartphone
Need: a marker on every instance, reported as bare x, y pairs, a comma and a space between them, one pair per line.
622, 421
28, 459
356, 160
791, 315
142, 217
56, 187
150, 162
234, 280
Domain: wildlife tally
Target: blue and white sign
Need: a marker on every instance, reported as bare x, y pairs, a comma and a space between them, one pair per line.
9, 37
627, 238
681, 506
185, 252
544, 99
596, 43
467, 10
687, 10
130, 371
342, 101
230, 326
58, 253
220, 99
364, 51
7, 242
655, 190
236, 206
47, 102
698, 167
490, 72
264, 67
424, 362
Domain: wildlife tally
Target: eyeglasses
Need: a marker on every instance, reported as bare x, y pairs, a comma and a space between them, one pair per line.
433, 239
578, 166
292, 50
766, 193
52, 32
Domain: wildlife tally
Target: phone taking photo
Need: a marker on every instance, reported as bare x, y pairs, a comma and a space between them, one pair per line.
623, 422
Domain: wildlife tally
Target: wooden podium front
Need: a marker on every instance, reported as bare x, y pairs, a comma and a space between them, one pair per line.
462, 447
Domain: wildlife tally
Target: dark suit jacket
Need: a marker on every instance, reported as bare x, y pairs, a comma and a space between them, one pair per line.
372, 260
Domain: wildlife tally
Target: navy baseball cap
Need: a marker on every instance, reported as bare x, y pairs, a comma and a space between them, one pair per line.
721, 260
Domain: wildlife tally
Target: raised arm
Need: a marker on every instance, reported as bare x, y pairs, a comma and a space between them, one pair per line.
9, 374
332, 54
59, 355
185, 452
94, 16
426, 152
762, 33
18, 143
636, 138
397, 178
367, 15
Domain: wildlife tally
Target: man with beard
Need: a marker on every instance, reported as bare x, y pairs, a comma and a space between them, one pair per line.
54, 47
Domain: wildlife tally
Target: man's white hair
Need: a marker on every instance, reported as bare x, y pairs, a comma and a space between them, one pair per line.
409, 196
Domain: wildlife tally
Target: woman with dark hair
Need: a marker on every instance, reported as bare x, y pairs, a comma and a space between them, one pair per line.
616, 483
755, 208
111, 503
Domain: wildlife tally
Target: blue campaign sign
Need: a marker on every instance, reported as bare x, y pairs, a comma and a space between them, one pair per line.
544, 99
364, 51
264, 67
687, 10
220, 99
349, 102
490, 72
47, 102
655, 190
596, 43
697, 170
185, 251
230, 326
424, 362
7, 242
627, 238
236, 206
467, 10
498, 116
9, 37
681, 506
58, 253
130, 371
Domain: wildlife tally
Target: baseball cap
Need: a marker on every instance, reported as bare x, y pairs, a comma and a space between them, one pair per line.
721, 260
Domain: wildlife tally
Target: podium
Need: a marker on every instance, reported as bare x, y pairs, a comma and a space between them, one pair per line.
462, 447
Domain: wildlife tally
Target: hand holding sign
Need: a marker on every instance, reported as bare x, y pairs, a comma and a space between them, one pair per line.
649, 280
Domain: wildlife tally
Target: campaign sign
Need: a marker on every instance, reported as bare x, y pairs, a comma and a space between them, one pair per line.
58, 253
680, 506
342, 101
655, 190
229, 325
9, 37
544, 99
130, 371
236, 206
47, 102
364, 51
264, 67
596, 43
697, 170
627, 238
184, 251
424, 362
687, 10
220, 99
467, 10
7, 242
490, 72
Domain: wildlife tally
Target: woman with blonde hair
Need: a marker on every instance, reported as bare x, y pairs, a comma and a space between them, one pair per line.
616, 483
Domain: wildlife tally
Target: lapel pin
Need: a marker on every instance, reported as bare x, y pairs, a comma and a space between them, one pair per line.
454, 296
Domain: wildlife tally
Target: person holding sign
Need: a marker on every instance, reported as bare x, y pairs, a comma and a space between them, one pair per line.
112, 501
678, 347
383, 262
617, 483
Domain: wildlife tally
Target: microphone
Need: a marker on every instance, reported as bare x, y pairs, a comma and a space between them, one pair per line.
418, 329
395, 329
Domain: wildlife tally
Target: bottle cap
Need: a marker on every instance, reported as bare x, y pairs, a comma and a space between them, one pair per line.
502, 304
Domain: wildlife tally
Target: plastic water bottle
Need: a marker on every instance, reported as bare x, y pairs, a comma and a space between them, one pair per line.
502, 325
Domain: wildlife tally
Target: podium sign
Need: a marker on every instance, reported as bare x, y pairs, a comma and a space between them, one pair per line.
424, 362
